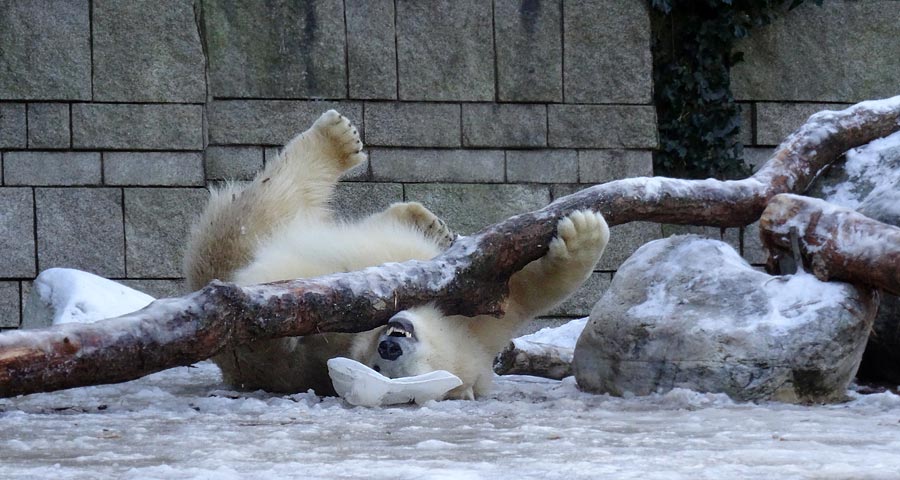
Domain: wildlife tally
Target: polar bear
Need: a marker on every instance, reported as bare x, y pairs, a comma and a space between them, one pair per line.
280, 227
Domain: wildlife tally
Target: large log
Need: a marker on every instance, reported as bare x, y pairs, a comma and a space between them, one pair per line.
834, 243
469, 279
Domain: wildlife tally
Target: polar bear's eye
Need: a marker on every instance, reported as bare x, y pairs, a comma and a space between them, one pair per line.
376, 368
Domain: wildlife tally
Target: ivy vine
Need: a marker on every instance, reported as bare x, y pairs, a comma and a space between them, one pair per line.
693, 52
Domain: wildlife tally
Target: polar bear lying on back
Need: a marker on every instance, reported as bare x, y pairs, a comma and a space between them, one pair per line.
279, 227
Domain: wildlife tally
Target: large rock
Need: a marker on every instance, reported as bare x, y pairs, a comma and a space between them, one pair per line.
688, 312
868, 179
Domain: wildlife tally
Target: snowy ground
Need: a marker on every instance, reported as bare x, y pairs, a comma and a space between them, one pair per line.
183, 423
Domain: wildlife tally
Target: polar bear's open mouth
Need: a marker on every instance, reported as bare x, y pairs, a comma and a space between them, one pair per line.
400, 327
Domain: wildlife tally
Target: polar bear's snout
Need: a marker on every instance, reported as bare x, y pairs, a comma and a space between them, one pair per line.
390, 349
399, 330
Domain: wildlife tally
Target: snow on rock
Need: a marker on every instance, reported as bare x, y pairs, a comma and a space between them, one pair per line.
868, 180
546, 353
689, 312
65, 295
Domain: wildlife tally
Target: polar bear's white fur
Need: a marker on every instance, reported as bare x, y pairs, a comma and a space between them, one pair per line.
280, 227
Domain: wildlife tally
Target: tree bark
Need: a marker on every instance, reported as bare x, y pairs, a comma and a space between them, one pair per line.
470, 278
835, 243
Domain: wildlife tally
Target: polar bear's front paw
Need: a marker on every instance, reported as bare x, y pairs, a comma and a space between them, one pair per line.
416, 215
341, 139
581, 237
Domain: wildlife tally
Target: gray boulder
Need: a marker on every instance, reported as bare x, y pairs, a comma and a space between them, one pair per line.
868, 179
689, 312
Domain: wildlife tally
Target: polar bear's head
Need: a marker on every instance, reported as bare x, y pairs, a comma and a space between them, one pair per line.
414, 342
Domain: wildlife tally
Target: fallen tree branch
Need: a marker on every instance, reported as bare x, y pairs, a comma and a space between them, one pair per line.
835, 243
470, 278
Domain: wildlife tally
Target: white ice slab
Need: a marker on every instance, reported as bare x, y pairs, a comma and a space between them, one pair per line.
360, 385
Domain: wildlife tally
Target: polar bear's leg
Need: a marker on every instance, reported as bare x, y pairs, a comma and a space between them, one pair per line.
570, 259
416, 215
305, 173
299, 182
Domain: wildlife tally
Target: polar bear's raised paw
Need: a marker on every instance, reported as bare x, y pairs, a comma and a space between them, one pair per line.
415, 214
341, 138
580, 236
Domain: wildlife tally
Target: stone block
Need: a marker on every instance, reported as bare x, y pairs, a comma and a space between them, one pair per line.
731, 236
756, 157
276, 49
17, 233
504, 125
583, 300
359, 173
233, 163
157, 223
624, 240
137, 127
753, 250
157, 288
541, 166
746, 136
602, 126
357, 200
540, 323
269, 122
12, 125
51, 168
371, 49
270, 154
46, 50
147, 51
412, 125
529, 50
445, 50
601, 166
843, 51
468, 208
10, 310
424, 165
48, 125
153, 168
81, 228
775, 121
607, 52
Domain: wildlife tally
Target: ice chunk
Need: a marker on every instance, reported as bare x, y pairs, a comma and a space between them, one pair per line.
360, 385
65, 295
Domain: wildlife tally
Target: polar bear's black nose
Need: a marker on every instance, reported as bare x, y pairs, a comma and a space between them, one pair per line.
389, 349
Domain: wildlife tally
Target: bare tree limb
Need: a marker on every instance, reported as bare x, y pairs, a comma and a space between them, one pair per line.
469, 279
835, 243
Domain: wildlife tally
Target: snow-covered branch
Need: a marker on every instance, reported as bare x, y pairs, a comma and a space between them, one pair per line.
468, 279
834, 243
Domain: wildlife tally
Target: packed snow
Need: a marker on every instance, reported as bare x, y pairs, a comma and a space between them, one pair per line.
185, 424
561, 339
65, 295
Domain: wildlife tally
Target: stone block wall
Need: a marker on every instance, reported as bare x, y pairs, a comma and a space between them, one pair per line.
116, 116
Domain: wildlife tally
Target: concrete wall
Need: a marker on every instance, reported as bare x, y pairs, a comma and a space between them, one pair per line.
115, 115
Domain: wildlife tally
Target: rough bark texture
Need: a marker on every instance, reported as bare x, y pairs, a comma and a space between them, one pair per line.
834, 243
470, 278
